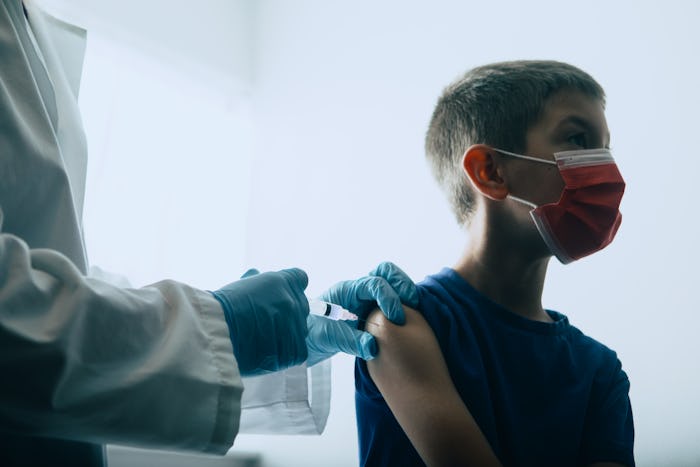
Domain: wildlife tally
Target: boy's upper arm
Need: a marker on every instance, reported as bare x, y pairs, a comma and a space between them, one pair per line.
412, 375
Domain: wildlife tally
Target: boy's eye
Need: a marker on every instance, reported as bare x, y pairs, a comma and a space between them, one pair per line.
579, 139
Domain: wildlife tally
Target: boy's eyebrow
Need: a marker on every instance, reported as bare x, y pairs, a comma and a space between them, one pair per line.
580, 121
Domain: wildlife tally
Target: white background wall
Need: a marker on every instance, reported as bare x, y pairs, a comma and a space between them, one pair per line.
290, 133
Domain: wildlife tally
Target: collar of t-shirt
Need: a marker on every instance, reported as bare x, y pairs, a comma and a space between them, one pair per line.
463, 291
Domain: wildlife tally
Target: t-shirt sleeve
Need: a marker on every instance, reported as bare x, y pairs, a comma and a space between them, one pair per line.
609, 428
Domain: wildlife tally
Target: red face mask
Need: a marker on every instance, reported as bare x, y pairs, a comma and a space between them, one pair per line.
587, 216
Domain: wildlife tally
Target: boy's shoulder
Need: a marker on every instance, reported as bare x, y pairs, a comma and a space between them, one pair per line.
598, 355
450, 304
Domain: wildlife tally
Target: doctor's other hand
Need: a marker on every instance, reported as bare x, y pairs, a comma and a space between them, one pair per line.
328, 337
266, 315
387, 286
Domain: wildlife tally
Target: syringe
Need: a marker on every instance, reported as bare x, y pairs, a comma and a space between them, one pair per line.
330, 310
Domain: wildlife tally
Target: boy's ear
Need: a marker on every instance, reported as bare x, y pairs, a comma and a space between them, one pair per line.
481, 165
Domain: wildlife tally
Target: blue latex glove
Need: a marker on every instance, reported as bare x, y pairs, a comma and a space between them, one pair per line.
328, 337
266, 314
387, 286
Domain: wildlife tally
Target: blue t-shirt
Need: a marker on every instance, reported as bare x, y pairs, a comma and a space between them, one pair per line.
544, 394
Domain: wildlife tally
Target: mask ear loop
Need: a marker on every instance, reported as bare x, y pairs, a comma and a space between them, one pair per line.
530, 158
520, 200
522, 156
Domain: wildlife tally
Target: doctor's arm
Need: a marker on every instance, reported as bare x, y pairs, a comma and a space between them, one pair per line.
81, 359
154, 367
413, 378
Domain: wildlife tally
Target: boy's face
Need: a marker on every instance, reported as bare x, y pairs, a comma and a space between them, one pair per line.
570, 120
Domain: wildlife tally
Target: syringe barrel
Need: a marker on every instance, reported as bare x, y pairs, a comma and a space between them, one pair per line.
330, 310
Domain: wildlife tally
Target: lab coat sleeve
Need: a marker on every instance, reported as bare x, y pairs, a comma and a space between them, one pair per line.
81, 359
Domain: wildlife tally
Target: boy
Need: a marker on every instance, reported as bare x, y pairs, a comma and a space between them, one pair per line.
481, 373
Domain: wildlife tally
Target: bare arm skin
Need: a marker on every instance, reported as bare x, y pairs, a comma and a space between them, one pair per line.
411, 373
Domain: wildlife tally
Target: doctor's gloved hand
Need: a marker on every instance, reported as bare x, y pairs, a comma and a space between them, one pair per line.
266, 314
387, 286
328, 337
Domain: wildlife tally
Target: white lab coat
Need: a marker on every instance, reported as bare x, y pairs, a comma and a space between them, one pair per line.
81, 359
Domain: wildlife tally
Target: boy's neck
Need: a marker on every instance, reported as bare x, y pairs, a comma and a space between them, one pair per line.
512, 281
